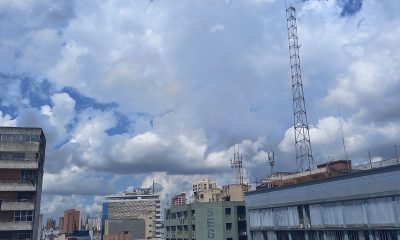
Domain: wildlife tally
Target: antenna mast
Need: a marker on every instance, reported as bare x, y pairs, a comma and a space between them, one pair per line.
271, 160
301, 129
237, 165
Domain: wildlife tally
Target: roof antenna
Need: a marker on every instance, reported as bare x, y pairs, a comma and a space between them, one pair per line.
346, 157
153, 185
271, 160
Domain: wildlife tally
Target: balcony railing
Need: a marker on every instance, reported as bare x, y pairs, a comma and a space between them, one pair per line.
15, 226
18, 204
379, 164
19, 164
6, 185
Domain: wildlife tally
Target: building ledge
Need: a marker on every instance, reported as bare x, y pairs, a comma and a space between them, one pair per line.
18, 164
15, 226
13, 187
16, 205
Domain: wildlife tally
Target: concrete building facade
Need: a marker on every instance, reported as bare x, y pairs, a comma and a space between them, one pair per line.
22, 154
50, 224
359, 205
206, 220
136, 211
179, 199
71, 221
206, 190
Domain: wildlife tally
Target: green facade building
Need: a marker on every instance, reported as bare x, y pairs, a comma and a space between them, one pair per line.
206, 220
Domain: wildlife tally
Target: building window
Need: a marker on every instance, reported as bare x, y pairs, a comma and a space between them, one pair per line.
20, 137
23, 216
23, 236
228, 211
228, 226
12, 156
28, 176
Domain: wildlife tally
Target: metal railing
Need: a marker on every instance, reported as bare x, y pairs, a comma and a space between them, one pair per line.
3, 158
379, 164
17, 200
26, 181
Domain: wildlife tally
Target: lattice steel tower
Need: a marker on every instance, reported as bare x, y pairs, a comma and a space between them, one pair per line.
301, 129
237, 165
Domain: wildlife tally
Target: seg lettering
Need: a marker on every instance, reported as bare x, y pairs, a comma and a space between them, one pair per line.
210, 223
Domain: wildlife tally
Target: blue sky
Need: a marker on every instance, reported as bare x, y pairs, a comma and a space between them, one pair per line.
128, 92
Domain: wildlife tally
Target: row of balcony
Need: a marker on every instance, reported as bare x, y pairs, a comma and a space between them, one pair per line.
14, 205
15, 226
16, 185
19, 164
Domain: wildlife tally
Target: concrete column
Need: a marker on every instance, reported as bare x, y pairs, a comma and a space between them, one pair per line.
306, 235
307, 221
371, 236
290, 236
398, 234
346, 235
395, 211
361, 235
366, 213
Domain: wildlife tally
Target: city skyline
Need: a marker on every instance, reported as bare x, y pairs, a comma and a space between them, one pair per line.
128, 93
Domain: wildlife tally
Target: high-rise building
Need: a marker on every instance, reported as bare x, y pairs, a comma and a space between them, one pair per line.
206, 190
93, 223
22, 154
178, 200
136, 212
50, 224
71, 221
61, 224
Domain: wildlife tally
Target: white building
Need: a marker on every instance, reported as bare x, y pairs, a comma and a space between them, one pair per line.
136, 211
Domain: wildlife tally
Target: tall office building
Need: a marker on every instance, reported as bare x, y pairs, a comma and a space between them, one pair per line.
178, 200
72, 221
136, 212
22, 154
61, 223
50, 224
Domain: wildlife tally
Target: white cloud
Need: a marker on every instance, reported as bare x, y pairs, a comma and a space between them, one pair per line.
326, 138
7, 121
217, 28
76, 180
190, 75
63, 111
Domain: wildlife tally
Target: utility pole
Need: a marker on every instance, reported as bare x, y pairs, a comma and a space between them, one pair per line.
301, 129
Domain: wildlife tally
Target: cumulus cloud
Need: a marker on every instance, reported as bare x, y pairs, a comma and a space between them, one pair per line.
326, 139
7, 121
186, 77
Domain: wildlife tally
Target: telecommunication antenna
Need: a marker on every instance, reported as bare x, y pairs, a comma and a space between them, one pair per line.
271, 161
301, 129
237, 164
346, 157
